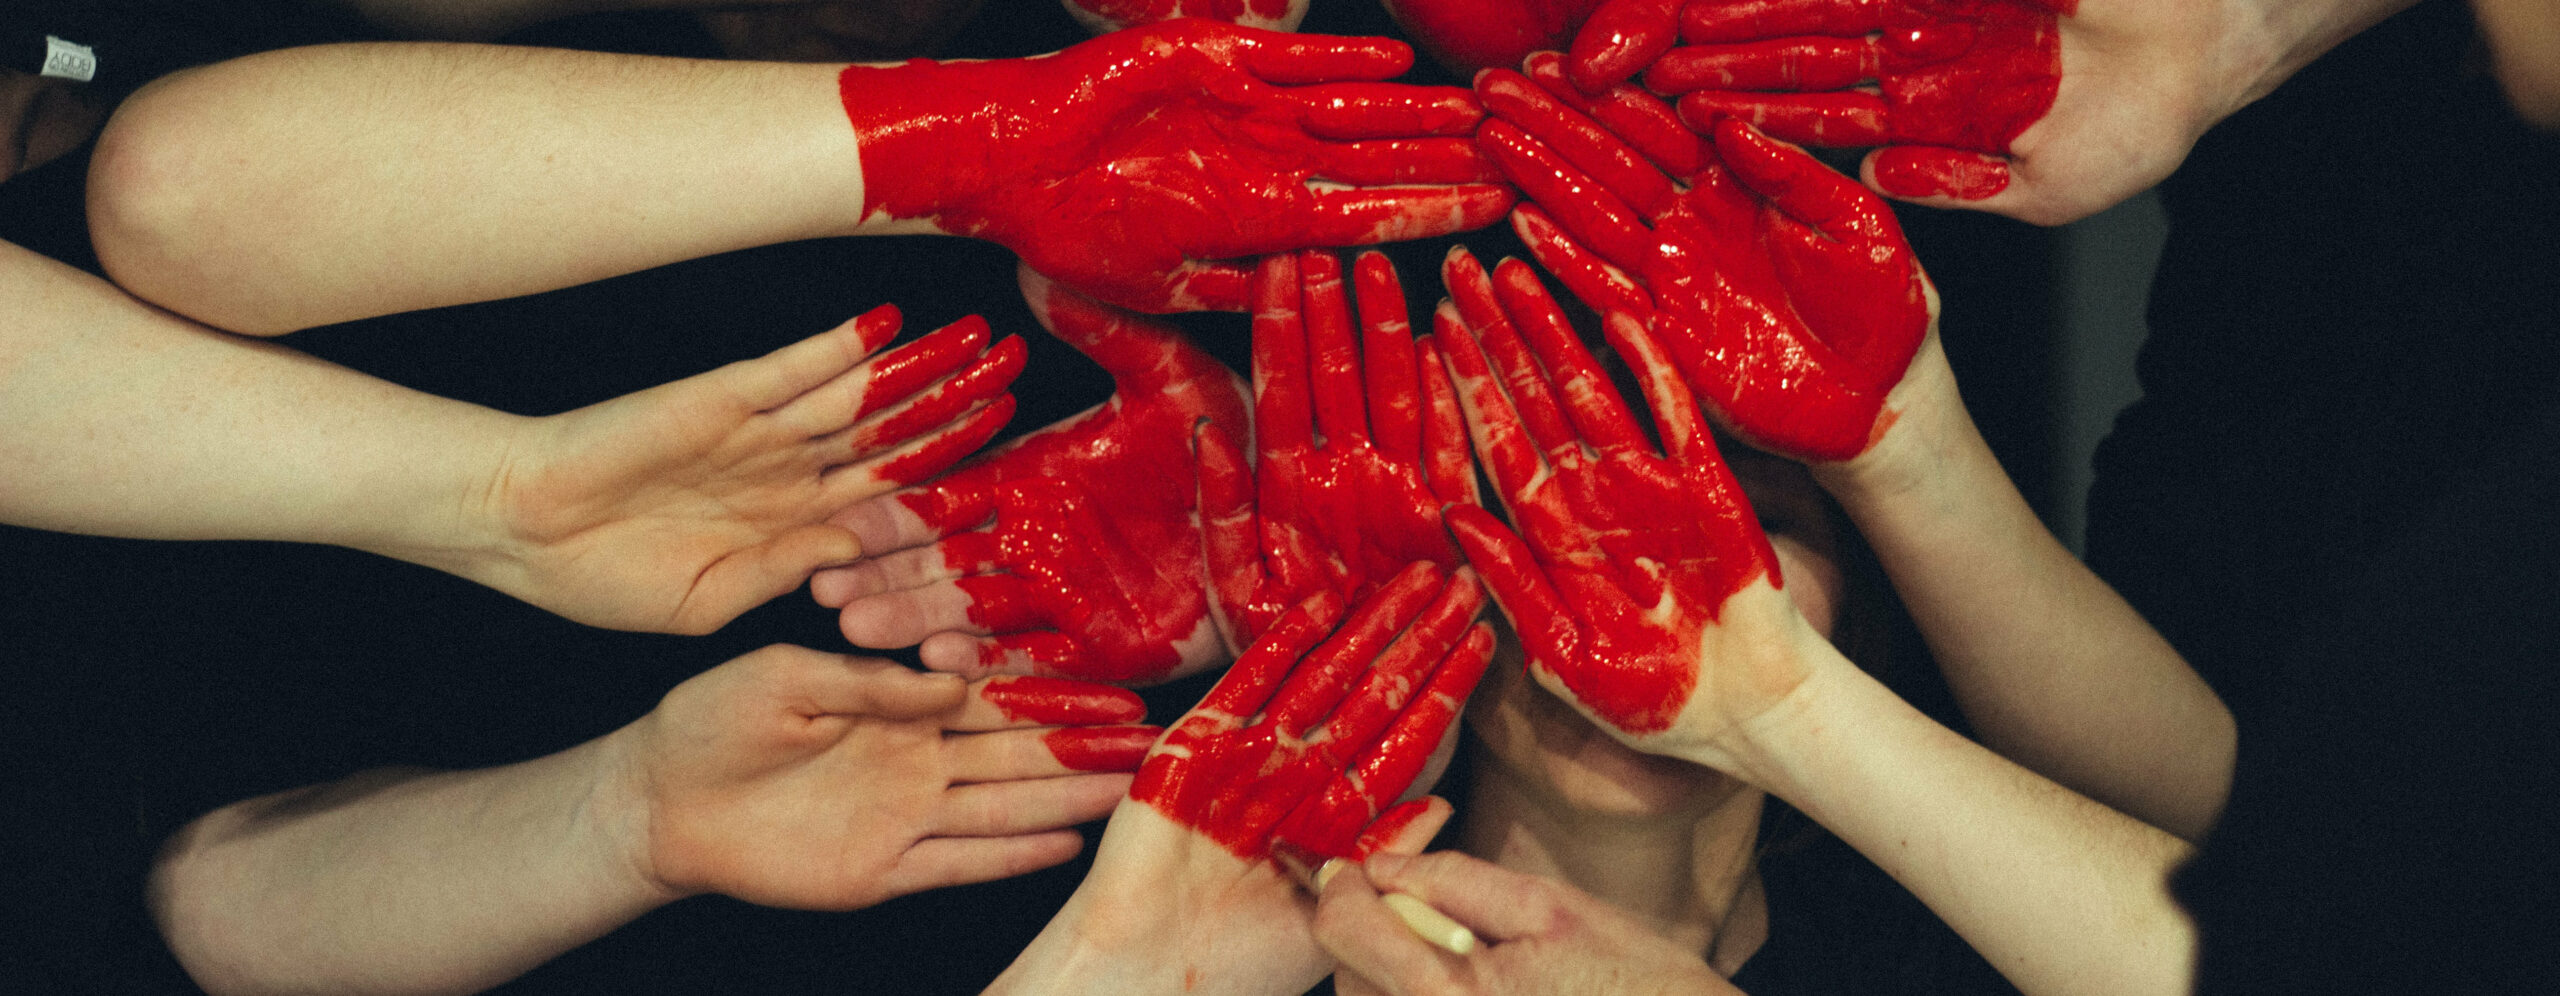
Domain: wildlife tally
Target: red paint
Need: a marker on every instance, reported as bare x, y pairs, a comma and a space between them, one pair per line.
1142, 166
1078, 540
1784, 292
1061, 702
937, 453
1624, 557
1468, 35
1342, 494
912, 366
1916, 171
1108, 748
1622, 38
1318, 727
991, 373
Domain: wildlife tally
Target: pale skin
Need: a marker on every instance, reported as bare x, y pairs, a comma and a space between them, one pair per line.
787, 777
672, 509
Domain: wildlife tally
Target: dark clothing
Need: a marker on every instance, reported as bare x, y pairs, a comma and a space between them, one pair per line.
2336, 498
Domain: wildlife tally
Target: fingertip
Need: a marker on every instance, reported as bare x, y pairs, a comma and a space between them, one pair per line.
1936, 177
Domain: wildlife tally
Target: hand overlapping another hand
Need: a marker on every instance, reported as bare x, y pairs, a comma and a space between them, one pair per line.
1785, 293
1140, 167
1359, 444
1639, 581
1073, 551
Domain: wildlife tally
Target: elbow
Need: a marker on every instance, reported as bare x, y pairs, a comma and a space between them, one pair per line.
158, 217
197, 911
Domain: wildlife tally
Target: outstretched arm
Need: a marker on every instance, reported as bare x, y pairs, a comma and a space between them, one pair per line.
787, 777
316, 185
671, 509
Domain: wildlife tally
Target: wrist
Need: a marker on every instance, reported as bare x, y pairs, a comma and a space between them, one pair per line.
929, 137
617, 817
1927, 429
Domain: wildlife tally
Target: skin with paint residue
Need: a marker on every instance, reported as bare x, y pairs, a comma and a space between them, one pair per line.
1359, 443
1087, 740
1074, 550
1143, 166
1624, 556
1943, 85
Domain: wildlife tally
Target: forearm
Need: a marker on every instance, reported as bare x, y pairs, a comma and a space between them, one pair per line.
2061, 894
315, 185
2052, 668
394, 882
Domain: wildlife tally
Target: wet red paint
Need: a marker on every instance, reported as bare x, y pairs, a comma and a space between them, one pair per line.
1468, 35
993, 371
1783, 291
1919, 172
1060, 701
1078, 540
1342, 493
1623, 557
1319, 727
1142, 166
1108, 748
916, 364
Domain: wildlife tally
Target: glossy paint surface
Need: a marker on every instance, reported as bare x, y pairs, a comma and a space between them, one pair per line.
1468, 35
1321, 725
1624, 555
1145, 166
1060, 701
939, 397
1101, 748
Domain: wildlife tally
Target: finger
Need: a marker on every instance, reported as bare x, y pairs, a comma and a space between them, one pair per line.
1283, 394
1257, 673
1203, 285
1805, 190
1346, 112
1491, 420
897, 570
1636, 116
758, 574
1036, 652
1354, 925
1705, 23
1331, 823
845, 685
1228, 531
1495, 902
1620, 39
1387, 360
919, 459
941, 862
903, 618
1399, 675
1779, 64
1007, 701
1002, 809
1371, 215
1591, 279
1333, 356
1597, 217
1519, 584
1288, 59
1387, 162
890, 378
778, 377
1583, 389
1137, 351
1014, 755
1490, 324
1685, 438
984, 376
1840, 120
1926, 173
1318, 684
1578, 139
1448, 468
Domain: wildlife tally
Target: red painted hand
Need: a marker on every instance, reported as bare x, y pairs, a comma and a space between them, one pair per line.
1944, 85
1105, 16
1785, 292
1360, 444
1640, 583
1319, 728
1138, 167
1065, 552
1469, 35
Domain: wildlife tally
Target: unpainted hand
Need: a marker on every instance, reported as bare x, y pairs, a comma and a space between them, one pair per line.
677, 508
1359, 443
1074, 551
809, 780
1142, 167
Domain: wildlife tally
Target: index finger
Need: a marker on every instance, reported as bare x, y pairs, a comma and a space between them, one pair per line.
1291, 59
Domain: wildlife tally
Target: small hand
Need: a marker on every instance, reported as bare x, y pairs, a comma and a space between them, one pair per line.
1106, 16
801, 779
676, 508
1073, 551
1641, 586
1787, 294
1303, 747
1360, 444
1140, 166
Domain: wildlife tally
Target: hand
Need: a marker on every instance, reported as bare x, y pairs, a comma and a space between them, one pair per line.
1138, 166
1471, 35
1787, 295
1106, 16
1539, 936
676, 508
1359, 446
801, 779
1073, 551
1303, 746
1643, 590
